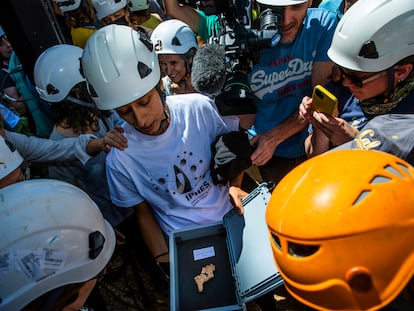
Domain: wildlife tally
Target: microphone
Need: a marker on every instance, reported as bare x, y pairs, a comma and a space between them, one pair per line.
208, 72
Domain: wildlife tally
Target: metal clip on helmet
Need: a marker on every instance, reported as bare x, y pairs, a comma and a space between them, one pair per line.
57, 71
138, 5
120, 66
105, 8
173, 37
341, 227
51, 234
10, 159
374, 35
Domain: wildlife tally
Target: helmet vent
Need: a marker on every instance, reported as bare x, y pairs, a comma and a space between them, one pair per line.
396, 172
301, 250
277, 241
380, 180
96, 244
51, 89
176, 41
143, 70
369, 50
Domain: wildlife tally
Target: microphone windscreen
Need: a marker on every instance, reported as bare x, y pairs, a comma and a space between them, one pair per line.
208, 72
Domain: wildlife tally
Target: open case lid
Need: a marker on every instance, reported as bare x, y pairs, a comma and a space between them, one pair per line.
250, 252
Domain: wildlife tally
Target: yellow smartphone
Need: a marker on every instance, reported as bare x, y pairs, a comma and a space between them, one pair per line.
323, 100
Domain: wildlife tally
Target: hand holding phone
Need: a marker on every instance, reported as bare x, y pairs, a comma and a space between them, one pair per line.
323, 100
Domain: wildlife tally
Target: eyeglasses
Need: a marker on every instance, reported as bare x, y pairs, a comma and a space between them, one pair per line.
358, 81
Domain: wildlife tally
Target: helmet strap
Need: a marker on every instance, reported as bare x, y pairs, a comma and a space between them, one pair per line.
80, 102
166, 121
391, 79
52, 298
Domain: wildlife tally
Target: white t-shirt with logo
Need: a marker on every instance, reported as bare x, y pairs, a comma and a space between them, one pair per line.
172, 171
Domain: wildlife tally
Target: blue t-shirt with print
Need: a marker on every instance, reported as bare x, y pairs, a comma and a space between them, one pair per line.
283, 77
334, 6
283, 74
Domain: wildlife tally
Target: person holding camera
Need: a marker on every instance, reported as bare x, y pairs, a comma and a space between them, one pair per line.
282, 76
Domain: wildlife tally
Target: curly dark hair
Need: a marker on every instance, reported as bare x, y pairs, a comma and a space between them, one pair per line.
84, 15
77, 117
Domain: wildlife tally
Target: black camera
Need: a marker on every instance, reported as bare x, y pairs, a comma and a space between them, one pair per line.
242, 48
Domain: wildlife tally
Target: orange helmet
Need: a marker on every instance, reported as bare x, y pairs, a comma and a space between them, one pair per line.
342, 226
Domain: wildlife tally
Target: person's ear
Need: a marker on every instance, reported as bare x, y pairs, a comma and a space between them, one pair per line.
403, 71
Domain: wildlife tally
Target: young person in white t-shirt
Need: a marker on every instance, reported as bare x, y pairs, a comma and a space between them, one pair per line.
164, 174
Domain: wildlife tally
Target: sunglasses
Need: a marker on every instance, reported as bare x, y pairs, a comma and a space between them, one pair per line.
358, 81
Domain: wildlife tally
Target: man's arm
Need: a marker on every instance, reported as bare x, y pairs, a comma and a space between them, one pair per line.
267, 142
185, 13
316, 143
321, 72
35, 149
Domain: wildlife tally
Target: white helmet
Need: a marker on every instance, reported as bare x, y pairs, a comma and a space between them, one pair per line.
51, 234
104, 8
120, 66
68, 5
10, 158
281, 2
57, 71
138, 5
173, 37
374, 35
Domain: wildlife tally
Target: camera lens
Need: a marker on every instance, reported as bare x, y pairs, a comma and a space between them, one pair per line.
318, 93
270, 20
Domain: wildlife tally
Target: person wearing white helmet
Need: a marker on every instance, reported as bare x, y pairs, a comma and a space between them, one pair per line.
54, 244
112, 12
17, 95
141, 15
176, 45
80, 19
280, 78
376, 65
116, 12
59, 81
165, 171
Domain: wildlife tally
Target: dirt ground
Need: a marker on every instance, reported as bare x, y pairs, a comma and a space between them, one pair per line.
134, 282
